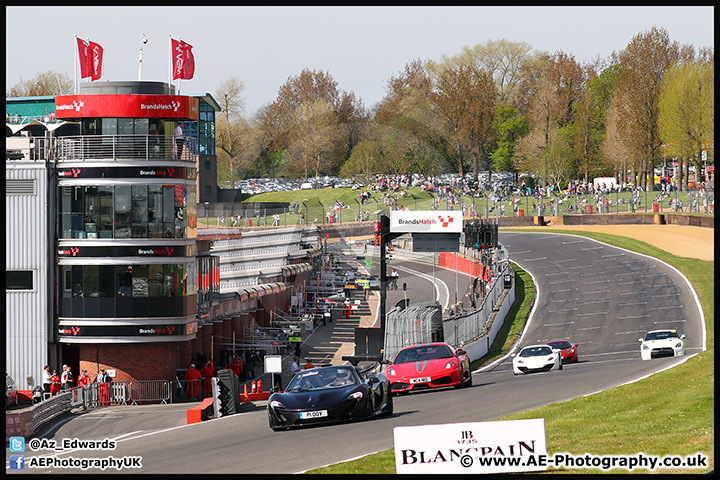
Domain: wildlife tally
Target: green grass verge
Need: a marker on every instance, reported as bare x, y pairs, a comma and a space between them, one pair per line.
668, 413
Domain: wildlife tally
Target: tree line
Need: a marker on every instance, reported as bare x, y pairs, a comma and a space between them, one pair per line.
498, 106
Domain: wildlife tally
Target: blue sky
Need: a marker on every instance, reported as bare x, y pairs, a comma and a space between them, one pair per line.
360, 47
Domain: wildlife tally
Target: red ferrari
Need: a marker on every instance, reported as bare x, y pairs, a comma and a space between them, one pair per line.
569, 350
423, 367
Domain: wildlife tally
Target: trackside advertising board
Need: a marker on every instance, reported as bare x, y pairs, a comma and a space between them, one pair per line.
476, 447
426, 221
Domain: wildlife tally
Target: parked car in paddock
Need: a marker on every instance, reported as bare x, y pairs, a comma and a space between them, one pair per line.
11, 393
661, 343
330, 394
537, 358
371, 279
568, 350
433, 365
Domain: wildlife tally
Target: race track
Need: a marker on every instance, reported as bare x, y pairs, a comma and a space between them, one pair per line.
601, 297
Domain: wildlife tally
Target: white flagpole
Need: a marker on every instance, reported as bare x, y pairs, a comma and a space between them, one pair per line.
75, 56
170, 60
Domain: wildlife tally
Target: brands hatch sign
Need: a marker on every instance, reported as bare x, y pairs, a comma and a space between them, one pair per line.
432, 221
477, 447
129, 106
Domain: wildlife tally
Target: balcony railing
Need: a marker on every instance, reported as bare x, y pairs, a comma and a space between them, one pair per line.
124, 147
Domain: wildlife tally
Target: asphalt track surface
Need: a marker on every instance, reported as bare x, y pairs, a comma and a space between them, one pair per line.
602, 297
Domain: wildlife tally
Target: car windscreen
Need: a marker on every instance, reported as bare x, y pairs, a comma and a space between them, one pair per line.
660, 335
536, 352
323, 378
560, 345
420, 354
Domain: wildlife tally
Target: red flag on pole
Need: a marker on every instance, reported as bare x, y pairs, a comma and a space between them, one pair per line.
183, 60
91, 57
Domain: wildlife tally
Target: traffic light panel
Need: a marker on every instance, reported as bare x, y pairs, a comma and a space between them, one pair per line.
481, 236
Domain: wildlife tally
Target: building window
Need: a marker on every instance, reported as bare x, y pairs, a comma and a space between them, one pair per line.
19, 280
208, 190
126, 211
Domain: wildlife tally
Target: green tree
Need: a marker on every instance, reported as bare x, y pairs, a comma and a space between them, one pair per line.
363, 162
509, 127
687, 110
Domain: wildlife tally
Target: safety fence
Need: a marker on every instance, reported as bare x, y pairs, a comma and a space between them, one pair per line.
418, 324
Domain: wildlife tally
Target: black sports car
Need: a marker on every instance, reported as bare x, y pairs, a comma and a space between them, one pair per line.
337, 393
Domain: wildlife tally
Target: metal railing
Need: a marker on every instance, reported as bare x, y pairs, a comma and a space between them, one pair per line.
124, 147
462, 329
149, 391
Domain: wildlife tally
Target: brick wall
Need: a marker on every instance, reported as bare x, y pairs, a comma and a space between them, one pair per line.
154, 361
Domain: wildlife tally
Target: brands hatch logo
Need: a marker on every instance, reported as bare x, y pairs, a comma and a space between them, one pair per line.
70, 331
75, 105
428, 221
73, 172
167, 330
173, 105
444, 222
166, 172
69, 251
156, 251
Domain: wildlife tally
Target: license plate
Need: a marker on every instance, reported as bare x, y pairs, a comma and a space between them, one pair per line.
316, 414
420, 380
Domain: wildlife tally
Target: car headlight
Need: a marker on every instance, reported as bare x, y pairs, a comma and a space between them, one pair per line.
572, 350
519, 360
391, 371
678, 345
645, 347
356, 396
276, 404
450, 364
551, 358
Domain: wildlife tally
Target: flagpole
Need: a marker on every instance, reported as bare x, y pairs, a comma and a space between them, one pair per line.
75, 49
170, 60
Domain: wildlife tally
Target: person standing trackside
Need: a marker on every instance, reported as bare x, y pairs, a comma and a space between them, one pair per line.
54, 383
179, 140
66, 379
295, 367
103, 377
46, 379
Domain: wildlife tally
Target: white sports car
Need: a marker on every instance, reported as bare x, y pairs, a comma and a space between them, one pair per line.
537, 358
661, 343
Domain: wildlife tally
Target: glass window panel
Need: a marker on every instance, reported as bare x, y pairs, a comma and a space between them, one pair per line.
66, 281
77, 281
142, 126
155, 280
18, 279
123, 214
140, 281
106, 281
90, 275
140, 211
105, 227
170, 280
123, 280
109, 126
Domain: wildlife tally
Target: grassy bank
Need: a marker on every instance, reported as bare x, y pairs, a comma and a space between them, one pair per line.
669, 413
314, 204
